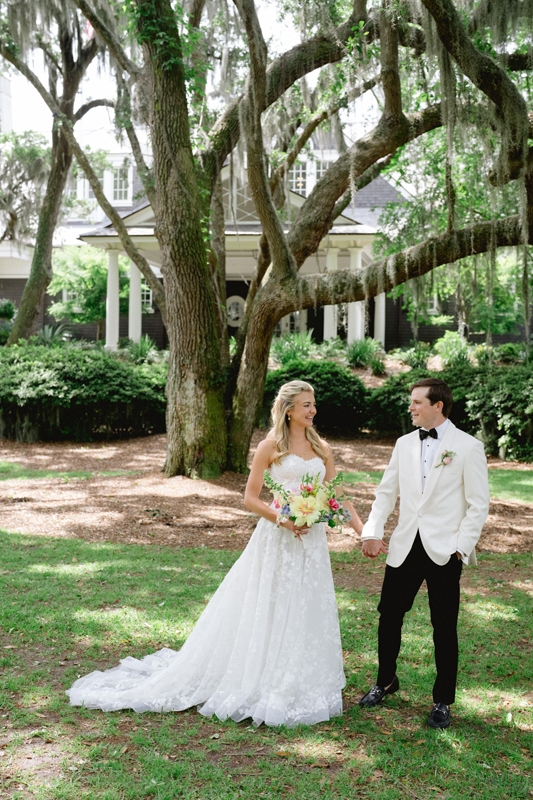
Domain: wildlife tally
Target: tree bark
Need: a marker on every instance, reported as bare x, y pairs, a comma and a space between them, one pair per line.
40, 276
196, 436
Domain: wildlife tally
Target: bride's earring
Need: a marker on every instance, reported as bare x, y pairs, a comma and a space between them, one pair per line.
288, 418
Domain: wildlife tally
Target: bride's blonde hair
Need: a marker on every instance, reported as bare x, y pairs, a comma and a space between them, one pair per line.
279, 432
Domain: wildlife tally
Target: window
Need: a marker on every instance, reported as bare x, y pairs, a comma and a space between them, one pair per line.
235, 310
298, 178
147, 298
321, 168
121, 183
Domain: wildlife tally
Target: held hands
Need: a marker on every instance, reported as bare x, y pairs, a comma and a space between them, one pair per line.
372, 548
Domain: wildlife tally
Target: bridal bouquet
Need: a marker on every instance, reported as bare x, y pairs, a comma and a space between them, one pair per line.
313, 502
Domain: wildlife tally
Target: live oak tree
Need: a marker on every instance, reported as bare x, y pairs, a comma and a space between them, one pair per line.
58, 31
473, 49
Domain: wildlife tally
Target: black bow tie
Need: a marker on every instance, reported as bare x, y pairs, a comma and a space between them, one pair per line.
424, 434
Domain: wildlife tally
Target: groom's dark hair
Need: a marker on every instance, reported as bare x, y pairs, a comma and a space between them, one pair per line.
437, 390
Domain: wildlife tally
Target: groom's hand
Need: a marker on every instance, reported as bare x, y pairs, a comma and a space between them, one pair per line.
372, 548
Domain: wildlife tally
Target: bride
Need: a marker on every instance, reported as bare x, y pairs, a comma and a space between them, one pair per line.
267, 646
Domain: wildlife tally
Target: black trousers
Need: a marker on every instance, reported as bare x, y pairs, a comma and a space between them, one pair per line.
400, 587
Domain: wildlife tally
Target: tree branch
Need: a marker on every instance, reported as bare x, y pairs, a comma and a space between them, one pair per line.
281, 75
81, 158
344, 286
314, 218
86, 107
145, 173
251, 109
105, 32
390, 77
310, 128
491, 79
195, 13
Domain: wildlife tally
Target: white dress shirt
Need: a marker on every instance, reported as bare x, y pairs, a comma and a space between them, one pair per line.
428, 449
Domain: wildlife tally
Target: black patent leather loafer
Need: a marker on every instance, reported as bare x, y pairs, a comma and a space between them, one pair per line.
376, 694
439, 716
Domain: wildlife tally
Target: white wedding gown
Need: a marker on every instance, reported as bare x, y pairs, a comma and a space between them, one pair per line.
266, 647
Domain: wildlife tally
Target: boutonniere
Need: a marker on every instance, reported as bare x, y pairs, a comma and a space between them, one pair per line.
446, 457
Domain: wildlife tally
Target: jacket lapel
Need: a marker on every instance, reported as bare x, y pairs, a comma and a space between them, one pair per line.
434, 475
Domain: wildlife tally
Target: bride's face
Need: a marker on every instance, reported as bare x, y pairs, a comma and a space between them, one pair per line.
303, 412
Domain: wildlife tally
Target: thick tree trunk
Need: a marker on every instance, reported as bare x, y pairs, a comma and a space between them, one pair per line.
41, 265
270, 306
196, 434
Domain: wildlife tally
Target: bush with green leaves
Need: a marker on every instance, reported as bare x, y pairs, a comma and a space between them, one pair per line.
501, 406
7, 309
291, 346
415, 356
341, 397
79, 393
453, 349
362, 352
510, 353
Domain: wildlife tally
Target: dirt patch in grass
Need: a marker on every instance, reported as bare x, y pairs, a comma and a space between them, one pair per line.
140, 506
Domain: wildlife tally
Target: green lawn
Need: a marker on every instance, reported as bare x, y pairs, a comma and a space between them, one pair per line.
68, 607
505, 484
9, 470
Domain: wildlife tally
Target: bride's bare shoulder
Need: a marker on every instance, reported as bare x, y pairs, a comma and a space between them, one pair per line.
266, 449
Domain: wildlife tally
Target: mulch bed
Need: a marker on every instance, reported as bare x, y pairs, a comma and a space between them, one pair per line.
143, 507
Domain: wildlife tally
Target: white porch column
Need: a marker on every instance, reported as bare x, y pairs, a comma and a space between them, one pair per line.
330, 312
356, 311
112, 302
135, 305
379, 318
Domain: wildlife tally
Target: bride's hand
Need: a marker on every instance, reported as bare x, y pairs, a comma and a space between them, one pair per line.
297, 531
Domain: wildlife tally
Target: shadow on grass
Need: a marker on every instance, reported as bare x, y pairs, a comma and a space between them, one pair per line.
69, 606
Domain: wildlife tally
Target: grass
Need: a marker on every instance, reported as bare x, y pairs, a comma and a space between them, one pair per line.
9, 470
505, 484
68, 607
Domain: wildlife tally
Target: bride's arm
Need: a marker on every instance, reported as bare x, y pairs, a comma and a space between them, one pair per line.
261, 461
355, 522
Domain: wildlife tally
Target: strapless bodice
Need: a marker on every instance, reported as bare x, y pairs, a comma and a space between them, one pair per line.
291, 469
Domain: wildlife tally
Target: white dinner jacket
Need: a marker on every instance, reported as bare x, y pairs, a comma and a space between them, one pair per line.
451, 510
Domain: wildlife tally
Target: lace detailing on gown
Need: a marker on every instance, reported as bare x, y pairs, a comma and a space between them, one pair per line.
267, 646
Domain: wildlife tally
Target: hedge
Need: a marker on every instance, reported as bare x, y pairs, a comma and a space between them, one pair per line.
83, 394
341, 396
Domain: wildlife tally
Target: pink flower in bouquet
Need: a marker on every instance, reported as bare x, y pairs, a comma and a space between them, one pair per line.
306, 487
276, 503
334, 504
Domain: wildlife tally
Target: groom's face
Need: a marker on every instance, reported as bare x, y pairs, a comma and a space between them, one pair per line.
423, 414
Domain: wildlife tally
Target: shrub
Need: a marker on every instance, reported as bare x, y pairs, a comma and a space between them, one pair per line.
415, 356
452, 348
341, 397
52, 335
71, 392
510, 353
501, 404
144, 351
377, 365
5, 330
361, 352
388, 406
291, 346
7, 309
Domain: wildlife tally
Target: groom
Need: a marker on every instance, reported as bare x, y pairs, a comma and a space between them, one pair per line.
441, 476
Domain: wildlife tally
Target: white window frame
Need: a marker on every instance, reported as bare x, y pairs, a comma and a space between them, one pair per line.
298, 175
147, 298
121, 201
